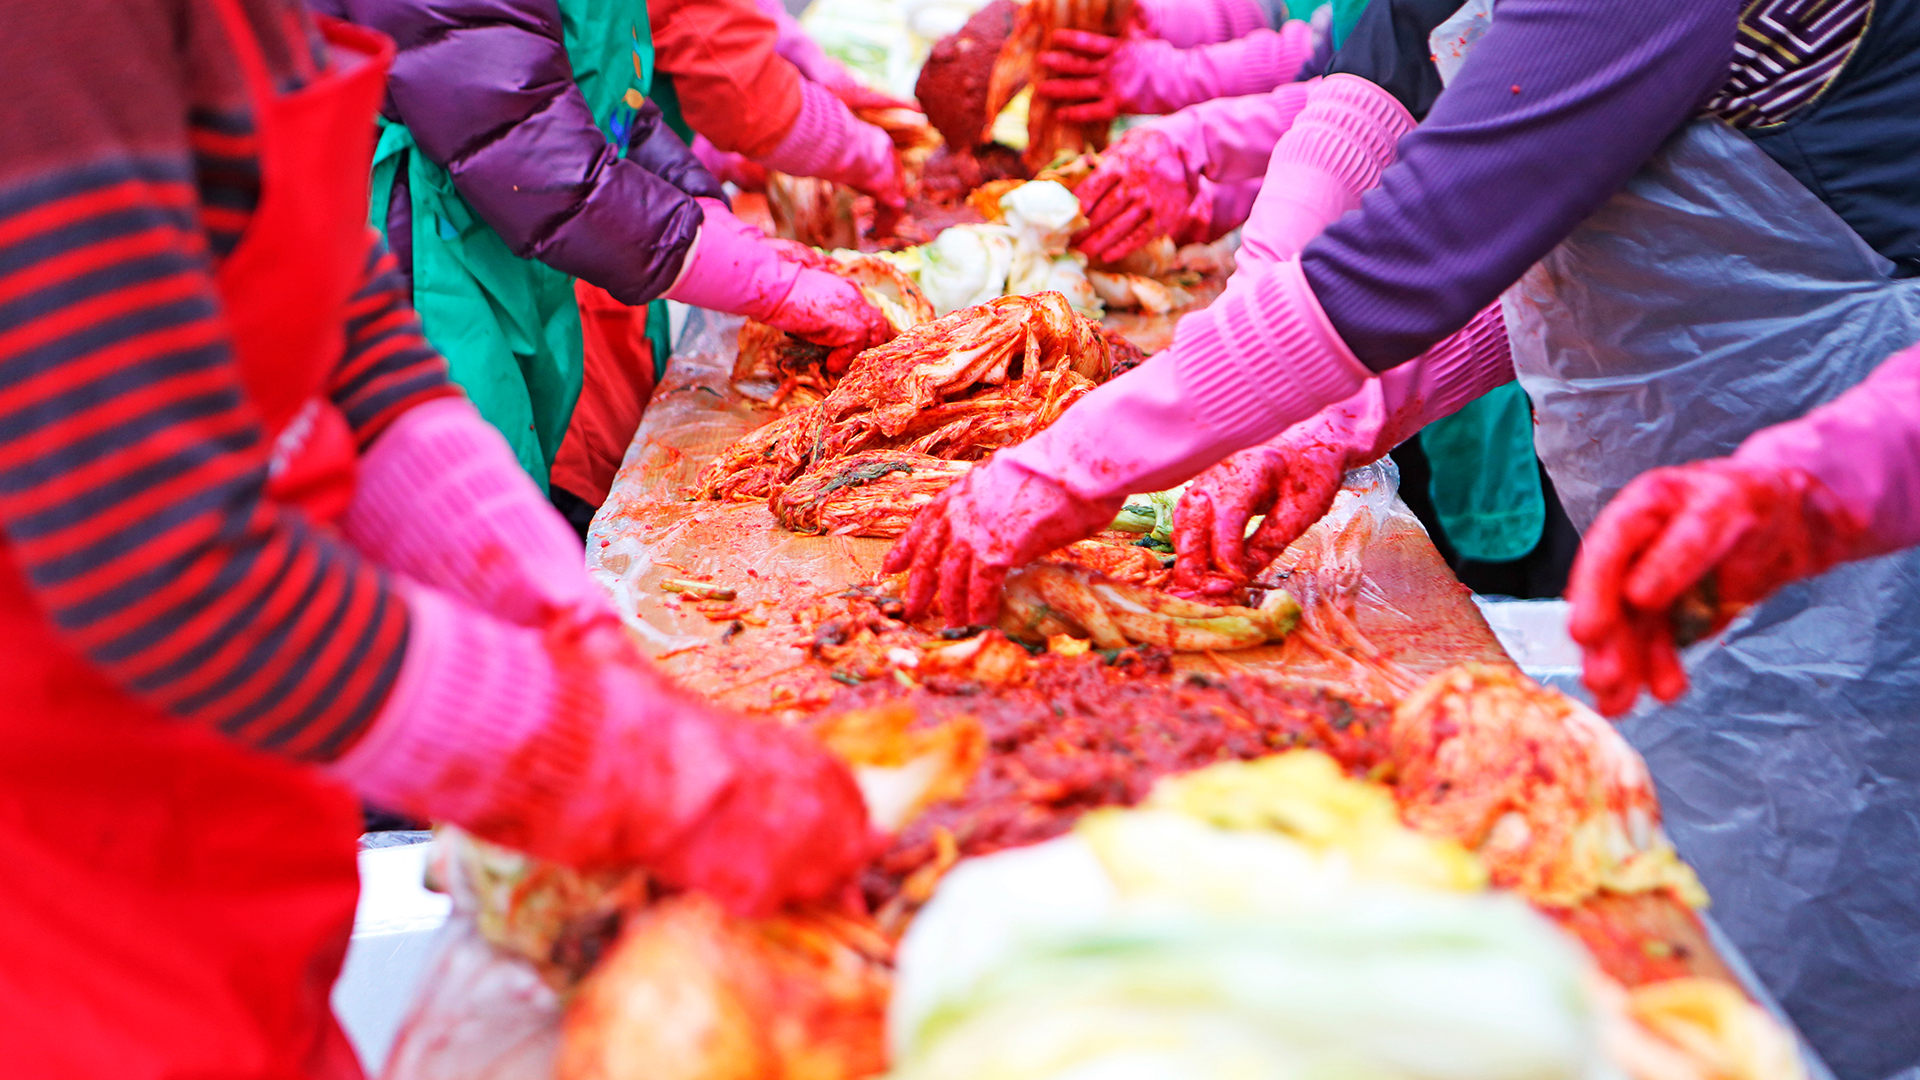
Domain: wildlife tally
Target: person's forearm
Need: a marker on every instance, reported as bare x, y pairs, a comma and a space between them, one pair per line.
388, 366
1186, 23
734, 87
1231, 139
1865, 446
1558, 105
137, 514
486, 89
1165, 80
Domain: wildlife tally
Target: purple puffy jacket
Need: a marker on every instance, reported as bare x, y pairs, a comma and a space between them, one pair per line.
487, 91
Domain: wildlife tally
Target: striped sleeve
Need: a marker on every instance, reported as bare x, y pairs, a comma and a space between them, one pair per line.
132, 474
389, 367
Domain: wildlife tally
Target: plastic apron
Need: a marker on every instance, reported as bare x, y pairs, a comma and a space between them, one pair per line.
1712, 296
177, 905
509, 327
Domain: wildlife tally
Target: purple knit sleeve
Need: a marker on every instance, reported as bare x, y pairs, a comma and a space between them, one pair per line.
487, 91
1557, 106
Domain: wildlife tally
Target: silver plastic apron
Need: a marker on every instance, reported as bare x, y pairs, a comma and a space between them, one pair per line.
1712, 296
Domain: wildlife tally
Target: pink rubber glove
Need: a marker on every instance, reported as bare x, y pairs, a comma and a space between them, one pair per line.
1236, 374
1186, 23
1141, 190
1098, 78
1293, 478
1260, 359
561, 742
1740, 527
1842, 482
1345, 135
441, 498
1155, 180
729, 167
733, 268
829, 142
1226, 208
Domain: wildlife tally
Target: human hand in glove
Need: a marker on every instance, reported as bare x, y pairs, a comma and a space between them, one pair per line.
441, 498
1000, 516
1140, 191
1093, 77
1236, 374
1714, 535
732, 267
562, 742
1292, 479
829, 142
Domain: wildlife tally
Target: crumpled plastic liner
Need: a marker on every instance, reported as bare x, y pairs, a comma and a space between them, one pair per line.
481, 1014
1789, 775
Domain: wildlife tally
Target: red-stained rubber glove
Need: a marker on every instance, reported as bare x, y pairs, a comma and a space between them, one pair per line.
1293, 478
441, 498
1140, 191
562, 742
732, 267
1000, 516
1093, 77
1740, 529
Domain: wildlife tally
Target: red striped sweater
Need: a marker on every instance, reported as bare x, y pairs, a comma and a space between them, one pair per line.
132, 468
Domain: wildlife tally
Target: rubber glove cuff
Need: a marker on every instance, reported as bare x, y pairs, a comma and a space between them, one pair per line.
1263, 357
730, 268
1151, 76
1186, 23
829, 142
1345, 136
560, 742
441, 498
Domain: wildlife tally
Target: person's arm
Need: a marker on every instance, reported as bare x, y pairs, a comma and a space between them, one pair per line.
1192, 176
388, 367
133, 472
1092, 77
1559, 103
744, 97
1187, 23
733, 85
655, 147
1865, 447
487, 91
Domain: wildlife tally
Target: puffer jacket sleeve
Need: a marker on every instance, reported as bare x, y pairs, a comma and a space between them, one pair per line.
653, 146
487, 91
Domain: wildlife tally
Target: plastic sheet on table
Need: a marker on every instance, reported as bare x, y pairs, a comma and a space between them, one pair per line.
1383, 611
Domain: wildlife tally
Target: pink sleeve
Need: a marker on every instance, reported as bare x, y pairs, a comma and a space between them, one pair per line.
1156, 78
1186, 23
1446, 378
1232, 139
1865, 446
